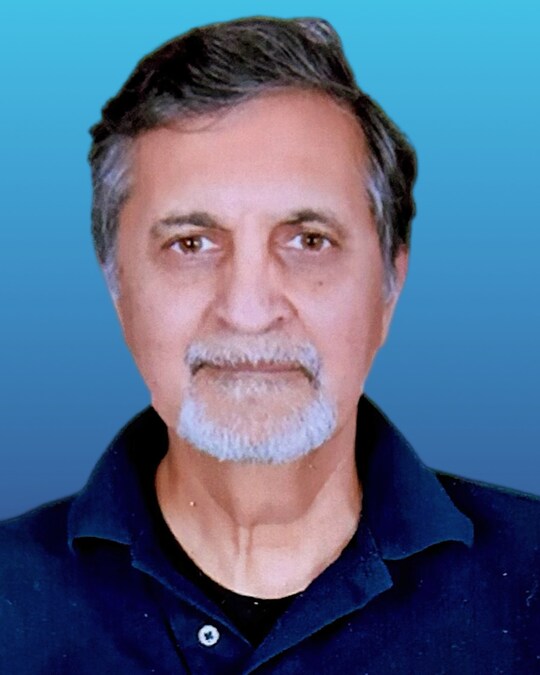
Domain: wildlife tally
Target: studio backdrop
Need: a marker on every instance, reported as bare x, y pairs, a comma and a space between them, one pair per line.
460, 372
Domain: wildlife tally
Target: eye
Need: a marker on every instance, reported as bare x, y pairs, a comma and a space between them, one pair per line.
311, 241
191, 244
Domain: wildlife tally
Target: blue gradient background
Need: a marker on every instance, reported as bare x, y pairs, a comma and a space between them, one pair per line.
459, 374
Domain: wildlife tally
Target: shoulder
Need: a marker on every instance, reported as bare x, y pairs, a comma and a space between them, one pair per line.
506, 522
33, 543
54, 598
34, 547
486, 501
39, 577
44, 525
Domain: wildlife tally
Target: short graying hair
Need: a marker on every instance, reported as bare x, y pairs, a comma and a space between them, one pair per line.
221, 65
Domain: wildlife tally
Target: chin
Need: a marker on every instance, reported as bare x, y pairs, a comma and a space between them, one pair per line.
258, 438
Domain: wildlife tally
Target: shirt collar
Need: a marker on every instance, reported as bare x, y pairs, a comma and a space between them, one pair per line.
404, 504
112, 506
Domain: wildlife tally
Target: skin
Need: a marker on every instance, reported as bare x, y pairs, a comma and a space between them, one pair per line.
256, 268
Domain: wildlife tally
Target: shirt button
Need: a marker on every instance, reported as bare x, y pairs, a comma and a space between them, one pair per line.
208, 635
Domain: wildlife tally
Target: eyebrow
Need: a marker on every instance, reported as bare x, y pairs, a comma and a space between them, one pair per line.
317, 216
196, 218
203, 219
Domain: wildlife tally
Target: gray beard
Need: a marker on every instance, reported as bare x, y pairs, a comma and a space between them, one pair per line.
247, 434
278, 442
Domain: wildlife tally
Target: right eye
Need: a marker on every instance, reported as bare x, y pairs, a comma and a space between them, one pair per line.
191, 244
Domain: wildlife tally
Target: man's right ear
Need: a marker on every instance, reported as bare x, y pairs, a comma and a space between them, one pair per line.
111, 281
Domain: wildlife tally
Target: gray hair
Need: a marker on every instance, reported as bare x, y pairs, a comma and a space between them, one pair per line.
221, 65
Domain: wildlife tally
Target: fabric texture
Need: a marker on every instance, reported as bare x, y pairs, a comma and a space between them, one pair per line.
442, 576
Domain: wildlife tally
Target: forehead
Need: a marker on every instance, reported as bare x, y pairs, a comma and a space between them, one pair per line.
282, 146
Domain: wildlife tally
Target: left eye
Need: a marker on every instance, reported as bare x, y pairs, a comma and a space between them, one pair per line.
311, 241
192, 244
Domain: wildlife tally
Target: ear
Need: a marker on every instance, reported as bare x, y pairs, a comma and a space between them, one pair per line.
401, 264
111, 281
118, 310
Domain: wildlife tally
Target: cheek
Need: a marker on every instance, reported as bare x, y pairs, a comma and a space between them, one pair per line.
346, 326
158, 327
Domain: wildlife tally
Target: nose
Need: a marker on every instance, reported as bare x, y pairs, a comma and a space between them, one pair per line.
252, 297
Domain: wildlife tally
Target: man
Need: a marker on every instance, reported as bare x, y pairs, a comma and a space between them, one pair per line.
251, 213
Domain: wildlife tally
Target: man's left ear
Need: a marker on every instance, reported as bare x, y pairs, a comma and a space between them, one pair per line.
401, 264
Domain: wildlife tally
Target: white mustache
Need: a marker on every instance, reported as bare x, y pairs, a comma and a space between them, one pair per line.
254, 351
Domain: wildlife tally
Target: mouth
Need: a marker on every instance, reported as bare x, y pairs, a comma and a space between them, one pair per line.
258, 368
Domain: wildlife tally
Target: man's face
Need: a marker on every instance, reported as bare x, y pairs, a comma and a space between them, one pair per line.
250, 275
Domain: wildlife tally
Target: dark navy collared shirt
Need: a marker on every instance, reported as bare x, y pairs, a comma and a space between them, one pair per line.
442, 576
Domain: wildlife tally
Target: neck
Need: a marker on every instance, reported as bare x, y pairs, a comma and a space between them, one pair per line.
262, 530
